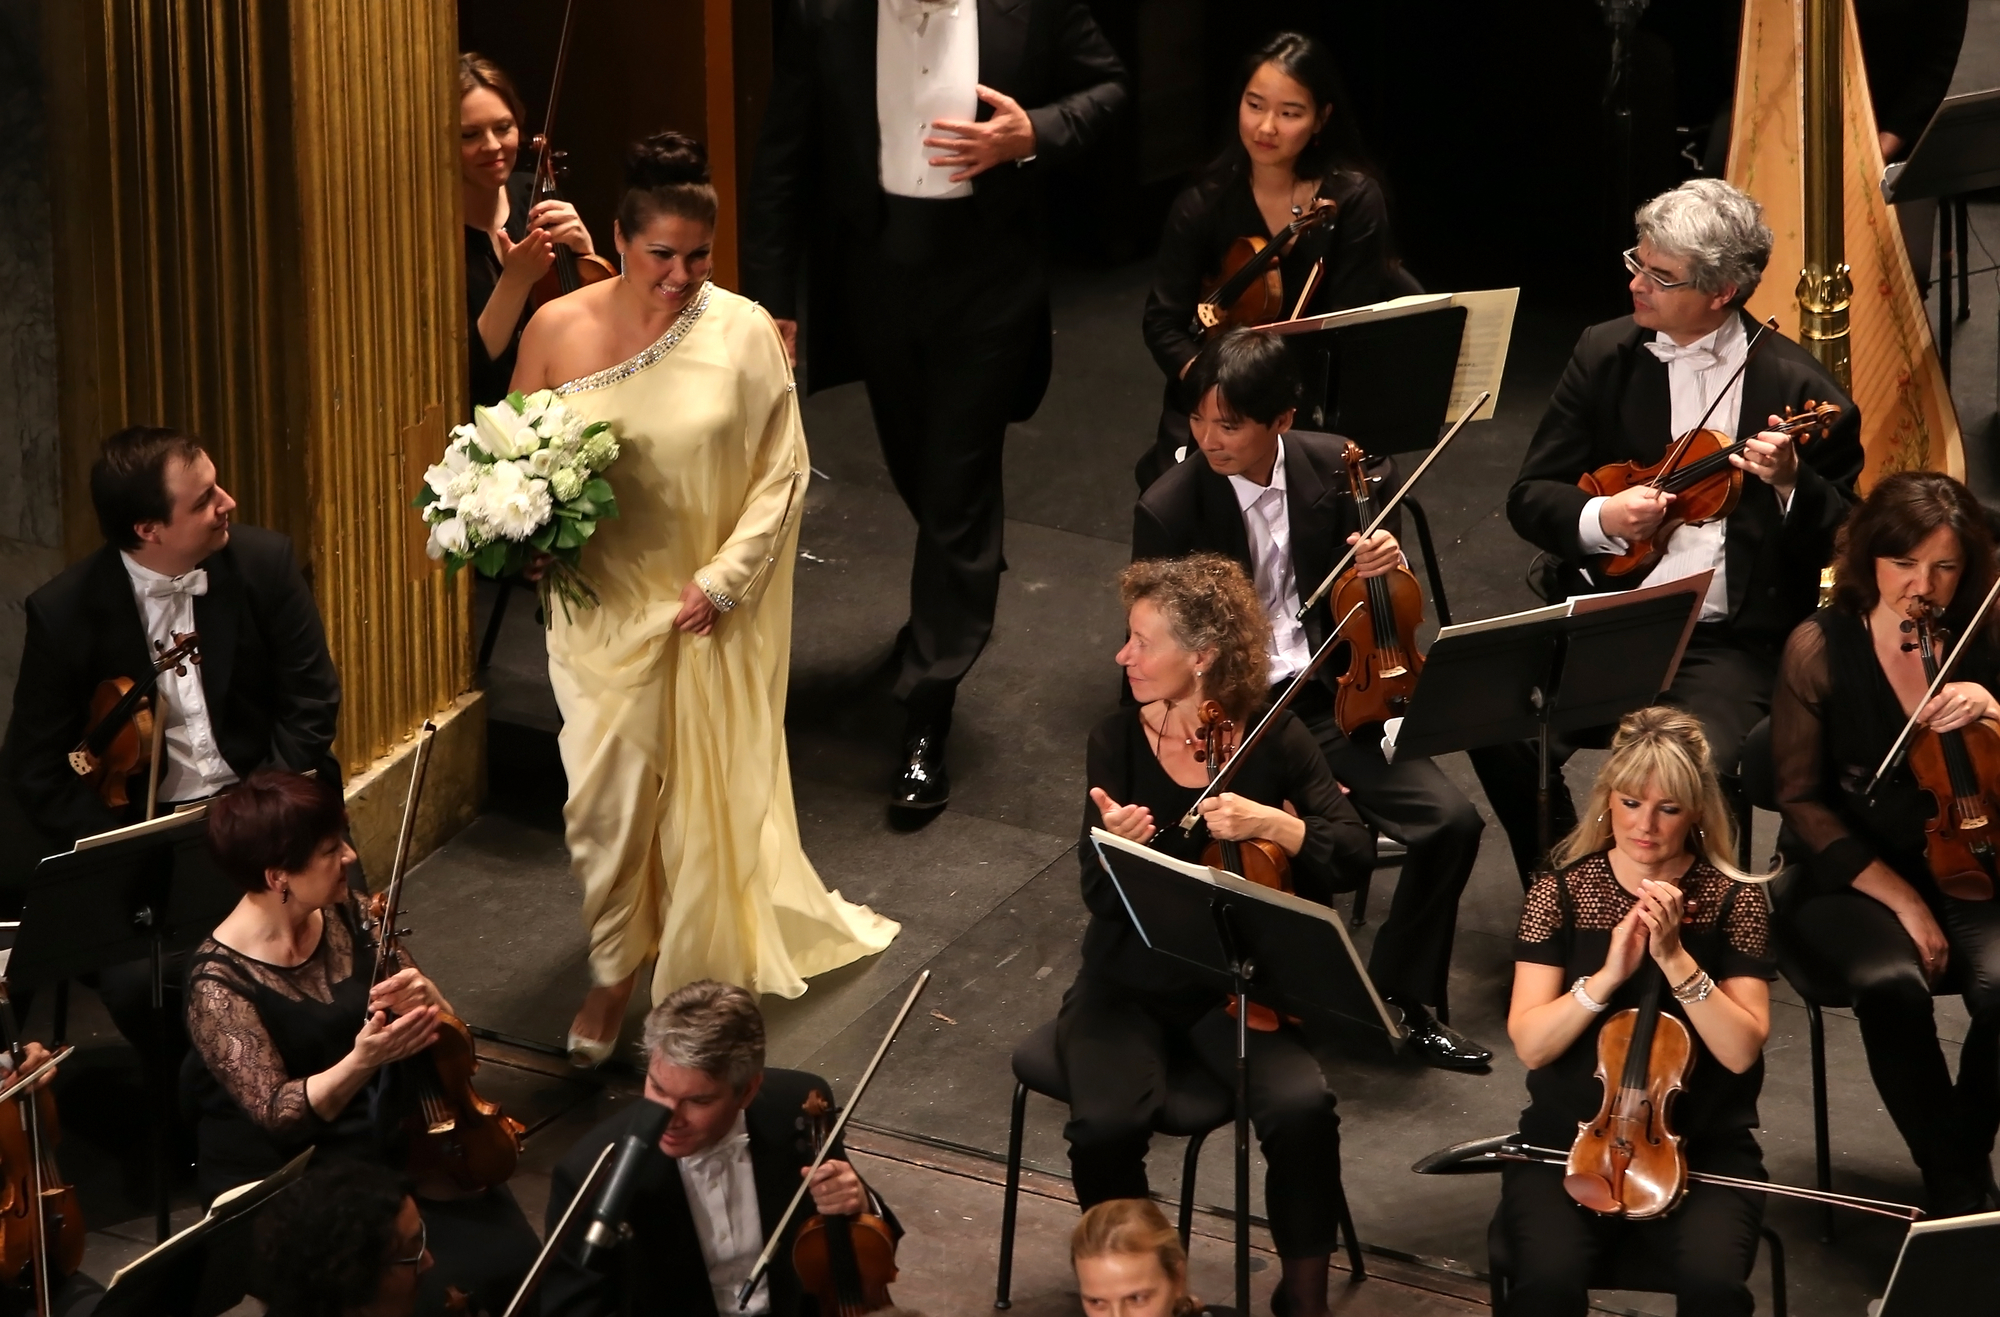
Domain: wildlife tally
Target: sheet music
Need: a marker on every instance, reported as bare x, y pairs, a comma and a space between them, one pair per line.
1482, 353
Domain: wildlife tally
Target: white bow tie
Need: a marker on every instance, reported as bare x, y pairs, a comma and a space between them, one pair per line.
1698, 357
709, 1161
192, 583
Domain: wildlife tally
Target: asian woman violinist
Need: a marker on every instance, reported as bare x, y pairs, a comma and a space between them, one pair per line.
1196, 632
290, 1029
509, 238
1644, 878
1295, 144
1870, 913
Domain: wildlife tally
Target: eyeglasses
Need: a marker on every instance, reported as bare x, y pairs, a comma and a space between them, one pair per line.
416, 1259
1664, 285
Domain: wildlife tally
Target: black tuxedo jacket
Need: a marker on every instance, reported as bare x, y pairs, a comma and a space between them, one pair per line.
1612, 405
660, 1269
1191, 509
816, 188
273, 694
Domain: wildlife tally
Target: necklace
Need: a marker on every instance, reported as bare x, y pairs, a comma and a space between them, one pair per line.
1160, 735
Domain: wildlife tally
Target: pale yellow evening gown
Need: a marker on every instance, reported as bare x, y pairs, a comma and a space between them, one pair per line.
680, 823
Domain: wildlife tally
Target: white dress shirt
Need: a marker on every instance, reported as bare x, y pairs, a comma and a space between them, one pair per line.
721, 1191
1268, 523
926, 68
1694, 373
194, 765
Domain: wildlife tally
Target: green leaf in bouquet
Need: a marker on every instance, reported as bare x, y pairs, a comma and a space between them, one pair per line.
518, 401
478, 454
597, 489
544, 537
425, 497
567, 537
585, 529
594, 428
608, 510
491, 560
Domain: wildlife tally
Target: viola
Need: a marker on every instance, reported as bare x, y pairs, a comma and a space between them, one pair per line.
41, 1225
1698, 473
1962, 838
1259, 859
1248, 290
1627, 1160
845, 1262
118, 729
454, 1135
571, 269
1383, 660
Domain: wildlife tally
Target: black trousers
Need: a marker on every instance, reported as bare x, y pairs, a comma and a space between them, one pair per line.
1723, 681
1708, 1244
1414, 802
1117, 1047
1854, 939
950, 335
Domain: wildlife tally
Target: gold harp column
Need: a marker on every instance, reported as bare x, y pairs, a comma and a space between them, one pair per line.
1825, 288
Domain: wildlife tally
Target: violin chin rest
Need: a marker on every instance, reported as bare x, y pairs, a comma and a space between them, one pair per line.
1594, 1193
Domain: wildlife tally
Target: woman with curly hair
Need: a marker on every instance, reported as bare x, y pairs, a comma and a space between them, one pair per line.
1196, 632
1129, 1263
1644, 886
345, 1241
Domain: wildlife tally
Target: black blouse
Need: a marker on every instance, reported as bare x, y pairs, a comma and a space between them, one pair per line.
1567, 922
1210, 216
490, 376
1833, 716
1286, 766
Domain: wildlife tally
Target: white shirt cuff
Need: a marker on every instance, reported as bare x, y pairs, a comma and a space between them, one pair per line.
1785, 503
1590, 531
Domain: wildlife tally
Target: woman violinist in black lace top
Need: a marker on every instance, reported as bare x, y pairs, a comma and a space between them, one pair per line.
284, 1014
1869, 914
1643, 877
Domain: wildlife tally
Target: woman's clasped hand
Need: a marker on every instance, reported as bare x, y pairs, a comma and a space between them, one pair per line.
402, 1019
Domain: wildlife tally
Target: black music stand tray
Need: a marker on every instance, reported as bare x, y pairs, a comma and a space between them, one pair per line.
201, 1271
1296, 952
1584, 663
1958, 153
148, 891
1946, 1266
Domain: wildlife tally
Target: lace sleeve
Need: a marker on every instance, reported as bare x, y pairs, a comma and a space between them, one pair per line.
226, 1029
1746, 937
1798, 734
1541, 923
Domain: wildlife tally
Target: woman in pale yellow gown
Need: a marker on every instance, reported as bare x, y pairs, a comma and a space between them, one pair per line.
680, 823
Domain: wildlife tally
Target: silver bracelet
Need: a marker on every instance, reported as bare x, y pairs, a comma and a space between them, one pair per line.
1584, 999
1697, 991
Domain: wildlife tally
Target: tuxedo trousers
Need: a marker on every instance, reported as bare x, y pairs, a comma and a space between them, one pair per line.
1412, 801
950, 315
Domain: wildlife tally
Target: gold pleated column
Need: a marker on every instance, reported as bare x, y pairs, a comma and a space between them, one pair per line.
258, 240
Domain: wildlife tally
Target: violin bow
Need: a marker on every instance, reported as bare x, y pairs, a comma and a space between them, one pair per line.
1390, 505
1528, 1152
572, 1214
542, 157
1943, 675
1681, 444
777, 1236
387, 938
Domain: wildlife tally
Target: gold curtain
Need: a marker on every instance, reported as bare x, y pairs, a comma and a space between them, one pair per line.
258, 240
1907, 418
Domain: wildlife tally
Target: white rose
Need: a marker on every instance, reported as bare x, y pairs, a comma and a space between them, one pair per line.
448, 537
501, 432
542, 462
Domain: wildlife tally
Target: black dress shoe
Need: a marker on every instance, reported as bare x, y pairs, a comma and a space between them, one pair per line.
925, 786
1438, 1044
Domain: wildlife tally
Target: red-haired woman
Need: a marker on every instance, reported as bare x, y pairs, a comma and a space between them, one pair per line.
273, 997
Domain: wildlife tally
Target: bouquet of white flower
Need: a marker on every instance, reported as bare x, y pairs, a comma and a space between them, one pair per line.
521, 485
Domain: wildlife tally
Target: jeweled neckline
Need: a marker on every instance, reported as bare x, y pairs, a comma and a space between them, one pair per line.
647, 356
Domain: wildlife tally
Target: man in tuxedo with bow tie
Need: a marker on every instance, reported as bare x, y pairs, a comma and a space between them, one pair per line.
1633, 386
901, 166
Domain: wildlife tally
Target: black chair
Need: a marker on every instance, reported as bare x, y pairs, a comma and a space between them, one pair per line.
1197, 1105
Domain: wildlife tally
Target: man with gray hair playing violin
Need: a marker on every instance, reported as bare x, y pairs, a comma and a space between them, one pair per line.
713, 1190
1688, 358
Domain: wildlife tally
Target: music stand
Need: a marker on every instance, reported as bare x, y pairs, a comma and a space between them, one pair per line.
201, 1271
1946, 1266
1574, 665
143, 892
1237, 933
1958, 153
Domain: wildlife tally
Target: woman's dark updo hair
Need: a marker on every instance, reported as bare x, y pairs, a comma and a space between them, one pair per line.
666, 174
1899, 514
1309, 63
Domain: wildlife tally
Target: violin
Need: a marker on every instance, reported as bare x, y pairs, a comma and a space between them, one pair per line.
1258, 860
118, 730
1383, 661
845, 1262
1698, 473
1248, 289
454, 1135
571, 269
1954, 767
1627, 1161
41, 1225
